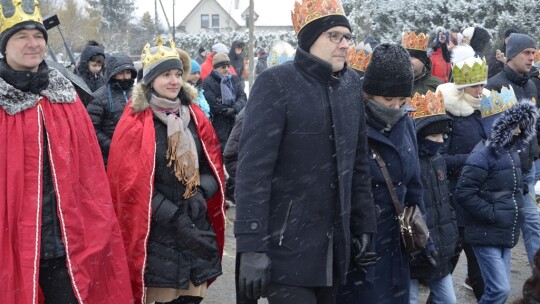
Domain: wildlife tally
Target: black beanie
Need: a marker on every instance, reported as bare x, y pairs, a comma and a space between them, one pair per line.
389, 72
25, 25
437, 127
311, 31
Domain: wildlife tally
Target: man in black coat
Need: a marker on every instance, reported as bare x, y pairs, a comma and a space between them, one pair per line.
520, 50
109, 102
303, 190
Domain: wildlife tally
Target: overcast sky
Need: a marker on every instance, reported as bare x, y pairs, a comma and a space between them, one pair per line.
181, 8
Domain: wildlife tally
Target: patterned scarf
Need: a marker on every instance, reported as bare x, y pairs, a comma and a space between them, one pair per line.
181, 152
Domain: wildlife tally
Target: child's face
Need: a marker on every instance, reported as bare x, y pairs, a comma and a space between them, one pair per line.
439, 138
516, 131
94, 67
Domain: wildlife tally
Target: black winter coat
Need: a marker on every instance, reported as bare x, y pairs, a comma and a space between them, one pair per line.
237, 61
170, 264
303, 181
109, 102
94, 81
440, 216
222, 122
230, 154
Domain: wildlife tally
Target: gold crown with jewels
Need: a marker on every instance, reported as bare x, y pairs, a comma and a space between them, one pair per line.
310, 10
359, 57
471, 71
162, 52
411, 41
430, 104
19, 15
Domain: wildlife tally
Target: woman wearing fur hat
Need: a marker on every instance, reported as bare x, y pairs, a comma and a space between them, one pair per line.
166, 177
388, 81
490, 191
462, 102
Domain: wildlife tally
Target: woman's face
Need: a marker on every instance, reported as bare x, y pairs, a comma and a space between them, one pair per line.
474, 91
168, 84
391, 102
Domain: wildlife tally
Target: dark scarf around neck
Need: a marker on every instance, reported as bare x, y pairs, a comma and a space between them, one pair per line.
26, 81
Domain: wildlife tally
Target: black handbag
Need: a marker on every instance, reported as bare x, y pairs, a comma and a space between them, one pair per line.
413, 229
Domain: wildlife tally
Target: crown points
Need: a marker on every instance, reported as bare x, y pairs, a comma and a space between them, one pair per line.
358, 59
497, 102
470, 71
411, 41
19, 15
427, 105
309, 10
159, 53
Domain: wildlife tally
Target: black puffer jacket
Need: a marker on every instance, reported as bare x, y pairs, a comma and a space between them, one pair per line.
109, 102
490, 186
171, 264
237, 61
94, 81
222, 122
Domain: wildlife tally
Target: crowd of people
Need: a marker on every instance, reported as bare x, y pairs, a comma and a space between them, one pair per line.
122, 198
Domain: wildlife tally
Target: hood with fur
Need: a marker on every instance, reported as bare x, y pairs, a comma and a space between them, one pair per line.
523, 114
141, 94
457, 102
186, 62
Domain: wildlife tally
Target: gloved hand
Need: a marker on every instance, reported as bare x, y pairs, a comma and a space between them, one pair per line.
230, 112
362, 258
196, 205
254, 275
194, 238
431, 257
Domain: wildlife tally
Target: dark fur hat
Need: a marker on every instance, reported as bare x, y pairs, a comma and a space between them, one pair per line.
524, 115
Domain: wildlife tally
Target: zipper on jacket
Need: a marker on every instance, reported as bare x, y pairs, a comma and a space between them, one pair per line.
282, 233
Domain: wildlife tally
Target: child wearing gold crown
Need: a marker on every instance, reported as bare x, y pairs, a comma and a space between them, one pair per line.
60, 238
490, 192
166, 177
434, 268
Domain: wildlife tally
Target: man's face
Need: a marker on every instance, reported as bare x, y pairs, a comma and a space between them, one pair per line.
94, 67
223, 70
417, 66
194, 77
523, 61
331, 48
25, 50
123, 75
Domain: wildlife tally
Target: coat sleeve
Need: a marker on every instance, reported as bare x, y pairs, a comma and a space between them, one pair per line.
211, 93
97, 111
468, 189
363, 217
230, 153
264, 125
240, 99
415, 191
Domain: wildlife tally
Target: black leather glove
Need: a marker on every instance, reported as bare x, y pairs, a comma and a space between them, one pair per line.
431, 258
254, 275
194, 238
196, 206
230, 112
361, 257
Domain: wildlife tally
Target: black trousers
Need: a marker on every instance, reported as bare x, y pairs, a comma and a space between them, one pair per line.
473, 270
55, 282
287, 294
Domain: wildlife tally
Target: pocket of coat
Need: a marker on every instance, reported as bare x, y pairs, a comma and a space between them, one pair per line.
291, 225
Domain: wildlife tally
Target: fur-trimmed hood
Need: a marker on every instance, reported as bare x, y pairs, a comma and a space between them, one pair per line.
457, 102
141, 93
525, 114
60, 90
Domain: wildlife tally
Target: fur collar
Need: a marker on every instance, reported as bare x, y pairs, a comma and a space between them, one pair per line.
525, 114
141, 93
60, 90
457, 102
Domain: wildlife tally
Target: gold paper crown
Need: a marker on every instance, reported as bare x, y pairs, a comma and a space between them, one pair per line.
310, 10
358, 59
411, 41
19, 15
497, 102
430, 104
469, 74
162, 53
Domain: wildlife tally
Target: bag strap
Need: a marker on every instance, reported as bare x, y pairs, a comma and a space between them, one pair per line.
387, 179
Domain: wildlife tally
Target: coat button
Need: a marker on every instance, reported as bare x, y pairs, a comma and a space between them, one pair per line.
331, 137
253, 226
332, 186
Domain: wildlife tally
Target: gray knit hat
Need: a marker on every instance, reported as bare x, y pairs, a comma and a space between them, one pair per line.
220, 59
517, 43
159, 59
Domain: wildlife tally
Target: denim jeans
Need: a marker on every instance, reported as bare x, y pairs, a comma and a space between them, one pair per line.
442, 290
530, 227
495, 266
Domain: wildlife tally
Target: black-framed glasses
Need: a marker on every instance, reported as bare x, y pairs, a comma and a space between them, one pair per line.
337, 37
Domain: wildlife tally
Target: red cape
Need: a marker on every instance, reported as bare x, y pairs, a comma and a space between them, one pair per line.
95, 255
131, 176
